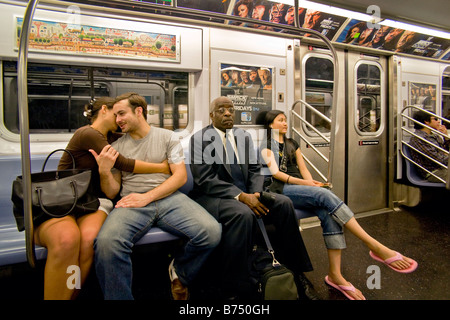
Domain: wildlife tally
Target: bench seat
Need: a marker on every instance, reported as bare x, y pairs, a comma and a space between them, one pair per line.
413, 175
12, 242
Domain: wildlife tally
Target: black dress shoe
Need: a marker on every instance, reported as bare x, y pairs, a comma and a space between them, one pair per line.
306, 289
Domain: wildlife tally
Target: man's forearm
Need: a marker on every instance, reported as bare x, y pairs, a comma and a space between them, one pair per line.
109, 185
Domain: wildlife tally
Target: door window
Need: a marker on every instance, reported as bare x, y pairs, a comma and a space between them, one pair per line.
369, 102
319, 82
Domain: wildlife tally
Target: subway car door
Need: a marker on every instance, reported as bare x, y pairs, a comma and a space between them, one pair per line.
367, 166
308, 124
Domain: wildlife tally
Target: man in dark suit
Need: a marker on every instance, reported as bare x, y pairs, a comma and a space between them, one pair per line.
228, 183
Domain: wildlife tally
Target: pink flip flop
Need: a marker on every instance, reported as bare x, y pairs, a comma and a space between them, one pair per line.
342, 289
397, 257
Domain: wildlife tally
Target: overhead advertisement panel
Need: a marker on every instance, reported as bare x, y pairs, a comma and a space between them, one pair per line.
393, 39
342, 28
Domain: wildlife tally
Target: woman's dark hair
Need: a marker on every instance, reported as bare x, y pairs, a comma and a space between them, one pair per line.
247, 3
92, 108
360, 25
289, 146
421, 116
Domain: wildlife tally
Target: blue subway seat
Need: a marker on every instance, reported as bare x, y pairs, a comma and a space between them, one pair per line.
12, 242
413, 175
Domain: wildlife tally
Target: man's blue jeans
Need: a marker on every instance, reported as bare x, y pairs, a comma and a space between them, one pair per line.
332, 212
177, 214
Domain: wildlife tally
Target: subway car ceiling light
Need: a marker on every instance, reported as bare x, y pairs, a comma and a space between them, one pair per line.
419, 29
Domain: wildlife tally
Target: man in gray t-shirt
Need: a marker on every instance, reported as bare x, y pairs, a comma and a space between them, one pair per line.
148, 200
156, 147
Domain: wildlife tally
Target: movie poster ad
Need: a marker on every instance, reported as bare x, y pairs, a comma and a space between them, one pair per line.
250, 89
446, 56
280, 13
362, 34
423, 95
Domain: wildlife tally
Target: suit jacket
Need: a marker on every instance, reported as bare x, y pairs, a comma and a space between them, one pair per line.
212, 175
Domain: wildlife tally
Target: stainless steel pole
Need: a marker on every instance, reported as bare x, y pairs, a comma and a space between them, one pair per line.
24, 129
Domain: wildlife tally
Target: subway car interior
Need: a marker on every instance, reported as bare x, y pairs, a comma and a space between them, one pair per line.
349, 75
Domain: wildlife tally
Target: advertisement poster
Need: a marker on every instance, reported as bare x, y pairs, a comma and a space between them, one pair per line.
393, 39
68, 38
446, 56
423, 95
250, 89
280, 13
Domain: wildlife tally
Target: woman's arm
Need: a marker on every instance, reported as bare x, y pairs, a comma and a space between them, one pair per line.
307, 177
93, 139
269, 158
110, 182
148, 167
302, 165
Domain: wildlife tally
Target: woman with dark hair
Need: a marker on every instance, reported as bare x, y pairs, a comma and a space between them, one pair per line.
291, 177
243, 9
355, 32
69, 240
365, 36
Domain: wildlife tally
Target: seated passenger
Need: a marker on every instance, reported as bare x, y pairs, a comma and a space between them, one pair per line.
69, 240
291, 177
230, 191
148, 200
431, 150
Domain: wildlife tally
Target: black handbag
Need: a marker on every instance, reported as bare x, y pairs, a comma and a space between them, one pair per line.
55, 194
272, 280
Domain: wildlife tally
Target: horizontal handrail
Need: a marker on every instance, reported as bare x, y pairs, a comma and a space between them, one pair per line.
417, 164
307, 141
309, 125
404, 129
311, 145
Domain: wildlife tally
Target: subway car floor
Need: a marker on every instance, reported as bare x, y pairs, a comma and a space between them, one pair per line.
422, 233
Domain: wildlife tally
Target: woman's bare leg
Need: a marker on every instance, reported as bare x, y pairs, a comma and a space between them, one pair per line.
335, 275
376, 247
61, 237
89, 226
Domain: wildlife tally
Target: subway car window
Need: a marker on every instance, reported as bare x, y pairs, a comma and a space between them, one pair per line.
319, 76
368, 107
57, 95
446, 95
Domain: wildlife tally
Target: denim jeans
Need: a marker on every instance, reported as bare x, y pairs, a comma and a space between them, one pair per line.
177, 214
332, 212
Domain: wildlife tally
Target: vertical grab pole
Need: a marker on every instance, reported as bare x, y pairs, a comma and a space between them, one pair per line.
335, 91
24, 129
447, 185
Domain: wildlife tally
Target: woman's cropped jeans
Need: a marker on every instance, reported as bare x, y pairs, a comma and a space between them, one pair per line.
332, 211
177, 214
